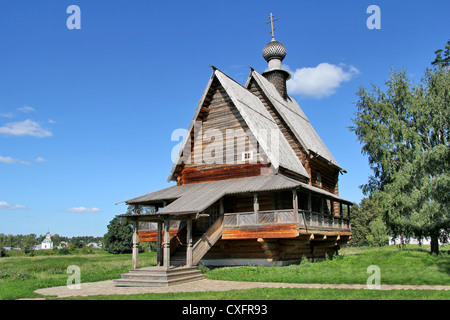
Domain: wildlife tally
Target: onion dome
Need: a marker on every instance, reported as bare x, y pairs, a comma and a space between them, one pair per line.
274, 50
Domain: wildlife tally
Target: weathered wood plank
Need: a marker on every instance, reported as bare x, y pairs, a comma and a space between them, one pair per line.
150, 236
192, 175
271, 231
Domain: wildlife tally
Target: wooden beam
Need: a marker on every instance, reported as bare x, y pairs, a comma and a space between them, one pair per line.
166, 244
309, 202
189, 243
321, 205
255, 203
135, 250
295, 203
159, 261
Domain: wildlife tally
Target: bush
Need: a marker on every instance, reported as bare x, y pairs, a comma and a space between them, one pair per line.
378, 233
64, 251
2, 252
28, 251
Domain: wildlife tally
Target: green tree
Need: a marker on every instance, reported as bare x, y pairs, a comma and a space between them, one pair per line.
76, 242
378, 235
404, 131
119, 237
442, 61
29, 241
366, 227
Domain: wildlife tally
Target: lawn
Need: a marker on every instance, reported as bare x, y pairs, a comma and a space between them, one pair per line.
21, 275
284, 294
412, 265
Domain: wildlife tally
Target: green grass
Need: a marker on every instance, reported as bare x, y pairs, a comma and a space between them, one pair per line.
410, 266
21, 275
284, 294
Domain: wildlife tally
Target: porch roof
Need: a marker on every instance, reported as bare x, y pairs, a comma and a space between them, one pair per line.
197, 197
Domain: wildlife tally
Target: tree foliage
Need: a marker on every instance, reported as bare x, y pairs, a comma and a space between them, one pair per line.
404, 131
119, 238
368, 227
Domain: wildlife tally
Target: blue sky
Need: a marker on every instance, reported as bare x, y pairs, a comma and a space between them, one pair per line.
86, 115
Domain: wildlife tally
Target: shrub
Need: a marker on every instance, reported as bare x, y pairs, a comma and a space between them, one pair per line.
3, 252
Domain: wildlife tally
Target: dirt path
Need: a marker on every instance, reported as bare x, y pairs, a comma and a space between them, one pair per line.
108, 288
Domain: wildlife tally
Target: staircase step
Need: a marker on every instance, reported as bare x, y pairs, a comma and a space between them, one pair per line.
161, 270
158, 277
154, 283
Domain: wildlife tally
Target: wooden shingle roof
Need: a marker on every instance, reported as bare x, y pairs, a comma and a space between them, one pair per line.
197, 197
294, 116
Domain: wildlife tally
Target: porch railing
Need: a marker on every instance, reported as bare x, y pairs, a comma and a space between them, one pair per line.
272, 217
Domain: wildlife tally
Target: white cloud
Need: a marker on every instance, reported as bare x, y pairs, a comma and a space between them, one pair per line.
26, 109
82, 210
8, 206
7, 115
39, 159
9, 160
25, 128
320, 81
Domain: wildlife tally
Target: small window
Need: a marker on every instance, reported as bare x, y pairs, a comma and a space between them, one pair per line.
319, 179
247, 155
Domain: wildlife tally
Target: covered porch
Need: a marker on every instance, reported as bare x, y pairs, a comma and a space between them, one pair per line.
188, 220
164, 273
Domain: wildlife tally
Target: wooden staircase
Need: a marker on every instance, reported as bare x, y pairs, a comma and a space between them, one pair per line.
178, 258
203, 241
178, 272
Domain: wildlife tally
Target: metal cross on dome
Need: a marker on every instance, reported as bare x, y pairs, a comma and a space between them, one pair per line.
272, 29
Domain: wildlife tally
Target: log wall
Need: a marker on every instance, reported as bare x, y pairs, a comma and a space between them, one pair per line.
210, 151
311, 246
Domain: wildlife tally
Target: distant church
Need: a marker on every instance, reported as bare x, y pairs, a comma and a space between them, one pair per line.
47, 243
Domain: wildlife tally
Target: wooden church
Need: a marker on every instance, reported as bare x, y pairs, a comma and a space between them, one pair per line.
255, 184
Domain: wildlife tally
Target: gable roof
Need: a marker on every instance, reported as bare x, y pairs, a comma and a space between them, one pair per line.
295, 118
257, 118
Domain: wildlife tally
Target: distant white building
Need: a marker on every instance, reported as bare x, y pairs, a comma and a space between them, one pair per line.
63, 244
47, 244
94, 245
410, 240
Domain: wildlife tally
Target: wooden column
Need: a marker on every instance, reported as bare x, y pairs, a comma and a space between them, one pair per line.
309, 202
321, 205
159, 252
341, 212
166, 263
295, 204
310, 211
135, 250
348, 212
221, 207
255, 203
189, 257
256, 206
